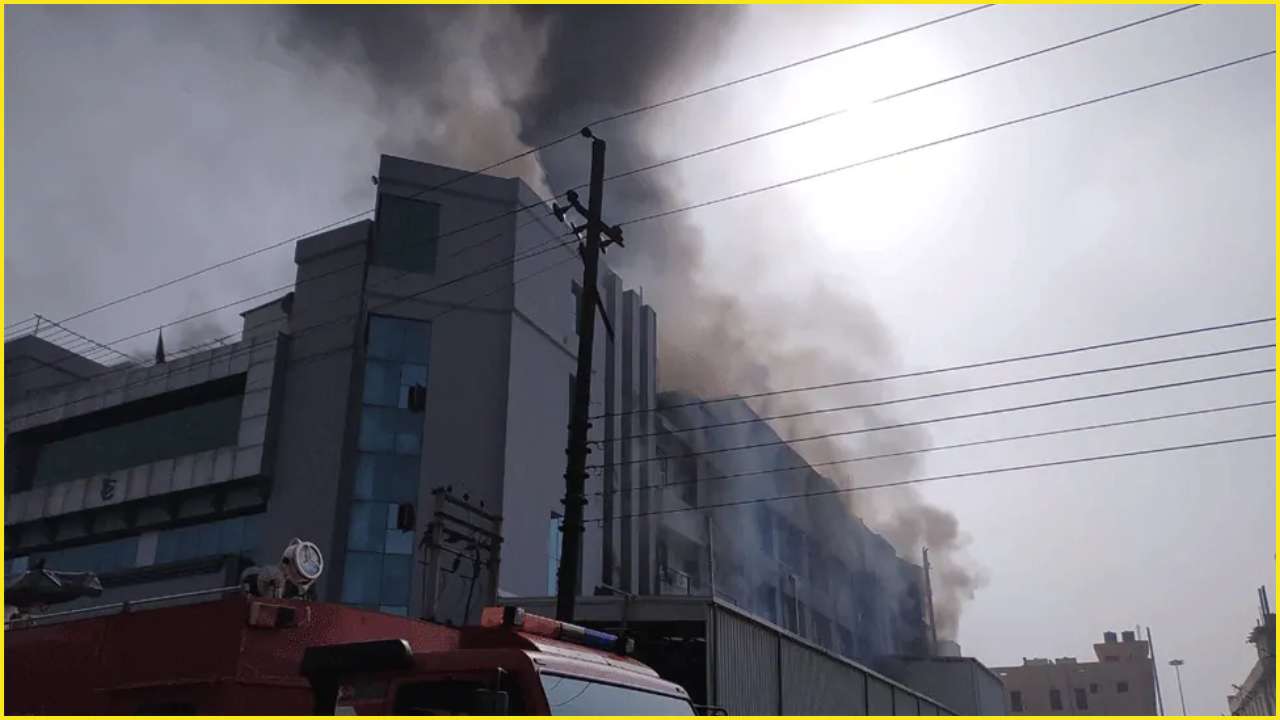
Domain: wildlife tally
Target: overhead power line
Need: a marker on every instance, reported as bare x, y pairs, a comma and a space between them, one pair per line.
953, 368
302, 359
291, 286
1037, 53
988, 128
696, 154
949, 393
788, 66
948, 418
949, 476
520, 155
955, 446
941, 141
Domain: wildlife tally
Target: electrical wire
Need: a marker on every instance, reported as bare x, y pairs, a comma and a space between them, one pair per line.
949, 393
949, 476
788, 66
303, 359
951, 368
336, 271
956, 446
948, 139
962, 416
526, 153
941, 141
696, 154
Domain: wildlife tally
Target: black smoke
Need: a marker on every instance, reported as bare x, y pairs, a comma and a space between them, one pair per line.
466, 87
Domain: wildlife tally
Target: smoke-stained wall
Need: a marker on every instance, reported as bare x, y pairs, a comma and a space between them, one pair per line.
807, 563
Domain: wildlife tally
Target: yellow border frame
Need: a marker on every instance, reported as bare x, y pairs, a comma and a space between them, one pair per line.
1276, 537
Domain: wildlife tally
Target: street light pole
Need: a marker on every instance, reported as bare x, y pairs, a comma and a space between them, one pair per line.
1177, 669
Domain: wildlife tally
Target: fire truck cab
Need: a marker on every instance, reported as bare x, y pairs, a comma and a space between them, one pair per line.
237, 654
513, 663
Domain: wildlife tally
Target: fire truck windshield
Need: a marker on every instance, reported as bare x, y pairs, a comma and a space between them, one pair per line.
576, 696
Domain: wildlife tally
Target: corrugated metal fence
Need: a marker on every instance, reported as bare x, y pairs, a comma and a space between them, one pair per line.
759, 669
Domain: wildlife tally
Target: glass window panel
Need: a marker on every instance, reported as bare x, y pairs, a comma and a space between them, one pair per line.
381, 386
170, 434
408, 434
406, 234
577, 696
385, 338
187, 540
250, 541
367, 526
368, 467
399, 542
362, 578
408, 443
403, 479
166, 548
231, 536
208, 538
413, 374
395, 579
417, 342
377, 429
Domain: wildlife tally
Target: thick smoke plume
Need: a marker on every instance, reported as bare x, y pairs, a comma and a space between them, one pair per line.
465, 87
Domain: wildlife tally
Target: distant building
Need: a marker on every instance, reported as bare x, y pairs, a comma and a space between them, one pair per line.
1257, 694
1120, 682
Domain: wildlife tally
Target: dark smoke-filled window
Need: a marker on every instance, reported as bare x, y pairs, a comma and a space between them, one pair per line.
1082, 700
407, 234
1015, 700
1055, 699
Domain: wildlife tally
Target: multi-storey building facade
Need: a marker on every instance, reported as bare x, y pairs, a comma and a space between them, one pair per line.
433, 346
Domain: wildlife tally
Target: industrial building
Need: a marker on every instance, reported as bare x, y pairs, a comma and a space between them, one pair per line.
430, 347
808, 565
1121, 682
1257, 694
961, 683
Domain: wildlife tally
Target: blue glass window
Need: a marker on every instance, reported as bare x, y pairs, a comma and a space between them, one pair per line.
382, 384
368, 526
380, 555
407, 233
204, 426
361, 578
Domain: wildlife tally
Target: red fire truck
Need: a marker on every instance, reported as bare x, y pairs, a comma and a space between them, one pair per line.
239, 654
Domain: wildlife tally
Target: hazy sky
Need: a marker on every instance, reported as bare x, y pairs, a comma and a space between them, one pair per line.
144, 143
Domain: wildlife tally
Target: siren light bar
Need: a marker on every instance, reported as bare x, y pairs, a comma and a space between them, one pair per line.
526, 622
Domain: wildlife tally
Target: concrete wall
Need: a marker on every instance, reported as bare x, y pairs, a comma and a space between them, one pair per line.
33, 363
544, 348
310, 475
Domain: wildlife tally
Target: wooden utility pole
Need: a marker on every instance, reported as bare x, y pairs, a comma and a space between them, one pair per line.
575, 475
